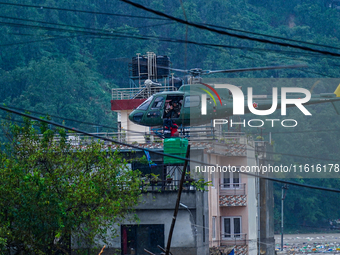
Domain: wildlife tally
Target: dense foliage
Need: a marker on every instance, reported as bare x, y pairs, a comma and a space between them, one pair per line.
64, 62
51, 191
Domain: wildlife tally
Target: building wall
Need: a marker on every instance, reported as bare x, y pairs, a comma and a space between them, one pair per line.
126, 124
252, 205
247, 212
158, 208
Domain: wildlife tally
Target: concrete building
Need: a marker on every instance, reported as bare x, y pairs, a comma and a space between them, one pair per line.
155, 213
233, 207
230, 215
266, 237
156, 208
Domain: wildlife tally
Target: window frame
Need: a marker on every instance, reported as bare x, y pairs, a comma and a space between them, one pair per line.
232, 228
232, 184
146, 103
161, 99
190, 106
213, 234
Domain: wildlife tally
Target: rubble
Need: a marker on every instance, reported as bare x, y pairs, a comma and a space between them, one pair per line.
308, 244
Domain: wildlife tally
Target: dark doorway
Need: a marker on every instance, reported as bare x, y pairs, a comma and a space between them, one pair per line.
136, 238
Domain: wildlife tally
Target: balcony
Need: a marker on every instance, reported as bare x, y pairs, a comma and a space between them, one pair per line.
232, 189
166, 186
233, 194
166, 200
228, 239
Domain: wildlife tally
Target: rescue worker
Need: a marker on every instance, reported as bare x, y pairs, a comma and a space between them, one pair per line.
169, 127
176, 111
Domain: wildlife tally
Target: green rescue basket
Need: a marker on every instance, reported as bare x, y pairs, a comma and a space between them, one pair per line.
175, 146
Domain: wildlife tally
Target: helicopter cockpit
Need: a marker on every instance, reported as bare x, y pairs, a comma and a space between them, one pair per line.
156, 108
145, 104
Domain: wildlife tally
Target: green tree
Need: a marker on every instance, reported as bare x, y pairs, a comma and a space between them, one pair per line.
52, 191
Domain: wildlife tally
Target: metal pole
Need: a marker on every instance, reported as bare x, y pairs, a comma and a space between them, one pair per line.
167, 252
282, 219
258, 209
283, 195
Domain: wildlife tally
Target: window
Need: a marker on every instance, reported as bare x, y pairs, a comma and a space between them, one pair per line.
145, 105
231, 180
231, 227
192, 101
158, 103
136, 238
203, 228
137, 117
153, 114
214, 227
212, 180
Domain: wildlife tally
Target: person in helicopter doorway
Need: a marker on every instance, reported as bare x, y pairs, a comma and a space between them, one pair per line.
169, 111
169, 127
176, 111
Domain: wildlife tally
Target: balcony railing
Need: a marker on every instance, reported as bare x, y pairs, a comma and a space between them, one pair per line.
233, 239
232, 189
158, 186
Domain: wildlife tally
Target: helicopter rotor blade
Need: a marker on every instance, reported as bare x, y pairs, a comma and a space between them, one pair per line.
177, 70
166, 67
253, 69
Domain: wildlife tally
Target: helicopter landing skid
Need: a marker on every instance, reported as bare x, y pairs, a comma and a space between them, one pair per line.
181, 133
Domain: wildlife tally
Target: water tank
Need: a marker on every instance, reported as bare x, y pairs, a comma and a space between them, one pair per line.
175, 146
143, 67
162, 62
178, 82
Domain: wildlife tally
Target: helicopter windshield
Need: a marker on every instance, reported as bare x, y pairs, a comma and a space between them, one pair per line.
145, 105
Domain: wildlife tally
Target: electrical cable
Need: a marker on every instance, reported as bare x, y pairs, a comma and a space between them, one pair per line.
143, 133
142, 17
161, 153
80, 11
125, 37
271, 36
111, 34
80, 27
203, 27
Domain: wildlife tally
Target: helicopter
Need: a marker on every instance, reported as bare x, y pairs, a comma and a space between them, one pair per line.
199, 103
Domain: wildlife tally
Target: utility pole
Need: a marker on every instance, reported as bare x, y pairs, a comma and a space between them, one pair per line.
266, 241
180, 188
167, 251
283, 196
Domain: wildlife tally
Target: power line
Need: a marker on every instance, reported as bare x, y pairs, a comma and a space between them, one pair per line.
271, 36
130, 36
73, 120
99, 32
143, 133
244, 37
80, 27
161, 153
81, 11
155, 18
115, 128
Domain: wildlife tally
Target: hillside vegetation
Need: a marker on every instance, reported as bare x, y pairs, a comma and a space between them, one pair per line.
64, 62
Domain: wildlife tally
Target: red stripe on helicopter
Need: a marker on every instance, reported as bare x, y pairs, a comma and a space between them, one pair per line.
208, 86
